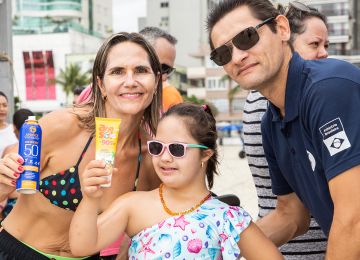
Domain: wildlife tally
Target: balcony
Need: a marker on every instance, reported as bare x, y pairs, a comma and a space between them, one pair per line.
197, 92
52, 28
203, 72
352, 56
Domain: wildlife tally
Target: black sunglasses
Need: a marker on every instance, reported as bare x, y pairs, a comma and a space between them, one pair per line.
244, 40
166, 69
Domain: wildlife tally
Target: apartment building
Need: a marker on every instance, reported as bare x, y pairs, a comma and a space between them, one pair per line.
44, 32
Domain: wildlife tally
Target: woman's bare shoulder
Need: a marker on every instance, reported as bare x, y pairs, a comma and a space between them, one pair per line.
62, 120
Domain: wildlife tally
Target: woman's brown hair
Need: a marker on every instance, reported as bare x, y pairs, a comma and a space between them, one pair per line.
152, 112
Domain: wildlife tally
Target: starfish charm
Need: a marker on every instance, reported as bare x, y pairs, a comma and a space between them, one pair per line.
241, 225
223, 236
146, 248
181, 222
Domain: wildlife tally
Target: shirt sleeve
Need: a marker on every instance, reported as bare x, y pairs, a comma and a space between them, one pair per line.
236, 220
171, 97
332, 120
279, 184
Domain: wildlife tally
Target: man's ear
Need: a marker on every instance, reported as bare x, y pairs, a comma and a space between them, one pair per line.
206, 155
283, 28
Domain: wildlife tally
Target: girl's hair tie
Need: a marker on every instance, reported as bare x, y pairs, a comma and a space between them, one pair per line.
204, 107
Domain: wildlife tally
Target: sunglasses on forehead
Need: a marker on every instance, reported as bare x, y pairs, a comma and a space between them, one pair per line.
166, 69
298, 6
244, 40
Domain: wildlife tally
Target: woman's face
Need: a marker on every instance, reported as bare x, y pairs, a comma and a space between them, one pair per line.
178, 172
312, 44
4, 108
129, 81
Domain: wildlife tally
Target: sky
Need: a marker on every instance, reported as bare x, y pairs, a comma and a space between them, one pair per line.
126, 14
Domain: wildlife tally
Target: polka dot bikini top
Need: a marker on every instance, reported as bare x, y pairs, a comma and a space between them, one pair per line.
63, 189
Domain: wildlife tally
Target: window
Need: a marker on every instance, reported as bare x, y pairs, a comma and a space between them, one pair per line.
105, 11
106, 28
221, 104
39, 68
238, 104
210, 63
165, 19
333, 9
215, 83
183, 78
99, 9
338, 29
163, 5
99, 27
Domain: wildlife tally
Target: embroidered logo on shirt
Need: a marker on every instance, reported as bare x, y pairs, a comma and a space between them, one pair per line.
312, 160
335, 138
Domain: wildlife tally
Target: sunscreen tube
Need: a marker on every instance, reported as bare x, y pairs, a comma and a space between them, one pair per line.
107, 132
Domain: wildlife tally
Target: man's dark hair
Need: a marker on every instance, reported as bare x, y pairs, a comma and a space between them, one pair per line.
20, 116
297, 20
78, 90
152, 33
2, 94
260, 9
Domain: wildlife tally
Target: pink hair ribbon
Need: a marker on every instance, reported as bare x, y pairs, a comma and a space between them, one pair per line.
204, 107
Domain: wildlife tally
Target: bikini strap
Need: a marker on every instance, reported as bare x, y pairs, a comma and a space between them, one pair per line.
86, 147
138, 167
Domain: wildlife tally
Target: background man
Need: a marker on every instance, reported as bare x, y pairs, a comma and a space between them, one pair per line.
164, 45
310, 129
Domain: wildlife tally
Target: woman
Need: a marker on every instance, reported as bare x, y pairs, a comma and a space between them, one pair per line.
7, 136
126, 85
309, 37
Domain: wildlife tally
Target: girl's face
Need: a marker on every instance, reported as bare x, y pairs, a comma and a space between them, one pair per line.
313, 43
4, 108
129, 81
178, 172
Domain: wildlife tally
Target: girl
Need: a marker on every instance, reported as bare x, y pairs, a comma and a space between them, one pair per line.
181, 219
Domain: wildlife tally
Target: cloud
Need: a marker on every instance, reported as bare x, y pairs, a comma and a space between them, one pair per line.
126, 14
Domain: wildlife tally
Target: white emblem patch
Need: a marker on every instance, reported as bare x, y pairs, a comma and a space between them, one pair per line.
312, 160
335, 138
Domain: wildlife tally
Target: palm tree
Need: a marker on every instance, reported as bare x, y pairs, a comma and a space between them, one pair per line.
232, 92
71, 78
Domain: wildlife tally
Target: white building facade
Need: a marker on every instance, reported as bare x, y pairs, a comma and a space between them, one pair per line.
44, 32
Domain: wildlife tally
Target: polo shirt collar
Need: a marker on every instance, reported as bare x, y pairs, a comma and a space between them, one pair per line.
292, 91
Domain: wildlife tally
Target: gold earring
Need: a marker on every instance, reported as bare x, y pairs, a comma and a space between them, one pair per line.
202, 164
104, 98
155, 93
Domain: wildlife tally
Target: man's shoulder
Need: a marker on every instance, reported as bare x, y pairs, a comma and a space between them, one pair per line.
330, 69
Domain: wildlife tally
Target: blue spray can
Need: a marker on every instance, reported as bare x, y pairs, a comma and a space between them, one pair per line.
30, 151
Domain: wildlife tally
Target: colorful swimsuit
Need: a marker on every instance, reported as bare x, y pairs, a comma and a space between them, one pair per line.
63, 189
211, 233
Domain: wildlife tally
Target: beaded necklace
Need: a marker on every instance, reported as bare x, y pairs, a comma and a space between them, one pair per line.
184, 212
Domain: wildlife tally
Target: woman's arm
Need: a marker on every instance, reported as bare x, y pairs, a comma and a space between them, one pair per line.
90, 233
254, 245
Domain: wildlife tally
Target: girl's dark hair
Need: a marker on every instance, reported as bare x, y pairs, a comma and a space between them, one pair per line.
260, 9
297, 20
2, 94
202, 127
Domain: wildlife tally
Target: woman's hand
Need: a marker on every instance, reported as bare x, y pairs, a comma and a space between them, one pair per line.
10, 170
92, 178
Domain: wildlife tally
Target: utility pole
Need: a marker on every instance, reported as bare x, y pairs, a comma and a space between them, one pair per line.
6, 55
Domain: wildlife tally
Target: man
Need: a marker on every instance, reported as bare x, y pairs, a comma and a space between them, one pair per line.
310, 129
164, 45
77, 92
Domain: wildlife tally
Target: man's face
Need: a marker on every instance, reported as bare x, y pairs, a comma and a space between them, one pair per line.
166, 53
260, 64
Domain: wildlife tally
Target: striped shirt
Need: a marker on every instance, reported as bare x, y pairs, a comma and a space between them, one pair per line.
313, 244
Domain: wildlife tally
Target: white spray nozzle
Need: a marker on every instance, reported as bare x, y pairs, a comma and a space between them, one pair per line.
32, 118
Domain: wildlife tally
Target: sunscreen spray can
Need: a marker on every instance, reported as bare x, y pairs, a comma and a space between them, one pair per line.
30, 150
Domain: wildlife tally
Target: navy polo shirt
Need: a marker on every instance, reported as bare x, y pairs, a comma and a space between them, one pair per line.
319, 137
